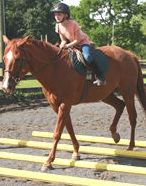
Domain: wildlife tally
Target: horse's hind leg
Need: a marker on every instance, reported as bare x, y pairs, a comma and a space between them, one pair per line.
119, 107
129, 101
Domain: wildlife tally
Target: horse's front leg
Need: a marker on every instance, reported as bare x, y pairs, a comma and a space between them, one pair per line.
76, 155
63, 114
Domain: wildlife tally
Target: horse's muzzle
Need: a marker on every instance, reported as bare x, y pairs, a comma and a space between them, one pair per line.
8, 86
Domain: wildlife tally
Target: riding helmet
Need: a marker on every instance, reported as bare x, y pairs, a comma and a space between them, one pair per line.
61, 7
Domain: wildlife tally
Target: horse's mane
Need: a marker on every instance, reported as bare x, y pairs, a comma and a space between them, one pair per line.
42, 44
37, 43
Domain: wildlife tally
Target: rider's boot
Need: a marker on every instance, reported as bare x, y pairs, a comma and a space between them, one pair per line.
99, 76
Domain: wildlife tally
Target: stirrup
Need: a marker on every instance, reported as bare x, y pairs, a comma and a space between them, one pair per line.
99, 82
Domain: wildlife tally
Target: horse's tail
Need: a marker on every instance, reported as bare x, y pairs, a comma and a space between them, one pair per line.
140, 87
141, 93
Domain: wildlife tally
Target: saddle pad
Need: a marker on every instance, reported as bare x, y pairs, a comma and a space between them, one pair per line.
101, 60
98, 56
76, 64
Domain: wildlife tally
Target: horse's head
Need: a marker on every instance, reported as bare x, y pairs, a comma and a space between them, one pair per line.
14, 58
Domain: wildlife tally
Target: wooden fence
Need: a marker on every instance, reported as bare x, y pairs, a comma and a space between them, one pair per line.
29, 77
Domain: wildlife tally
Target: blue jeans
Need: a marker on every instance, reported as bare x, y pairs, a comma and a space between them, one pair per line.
87, 53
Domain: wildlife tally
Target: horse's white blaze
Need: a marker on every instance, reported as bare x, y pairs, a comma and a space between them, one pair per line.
6, 81
9, 55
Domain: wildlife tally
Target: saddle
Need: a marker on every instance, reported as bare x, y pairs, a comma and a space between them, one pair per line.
79, 64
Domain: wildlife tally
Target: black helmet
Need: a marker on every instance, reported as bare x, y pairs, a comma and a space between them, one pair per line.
61, 7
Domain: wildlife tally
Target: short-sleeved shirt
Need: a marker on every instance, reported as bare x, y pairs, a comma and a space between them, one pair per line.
68, 31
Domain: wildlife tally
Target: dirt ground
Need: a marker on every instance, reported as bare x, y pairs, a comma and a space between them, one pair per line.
19, 120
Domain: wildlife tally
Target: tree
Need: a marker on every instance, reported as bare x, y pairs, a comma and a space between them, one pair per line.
25, 17
140, 48
102, 20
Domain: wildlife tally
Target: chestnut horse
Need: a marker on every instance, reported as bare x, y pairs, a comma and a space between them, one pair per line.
63, 86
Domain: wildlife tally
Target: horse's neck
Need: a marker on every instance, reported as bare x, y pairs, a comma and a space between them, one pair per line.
41, 63
42, 54
39, 54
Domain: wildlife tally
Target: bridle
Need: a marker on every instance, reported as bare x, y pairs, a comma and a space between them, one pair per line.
22, 60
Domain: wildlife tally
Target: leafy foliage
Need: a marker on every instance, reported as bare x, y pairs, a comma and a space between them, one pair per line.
24, 17
112, 22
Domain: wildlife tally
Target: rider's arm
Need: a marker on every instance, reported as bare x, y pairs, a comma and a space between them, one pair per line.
63, 41
75, 41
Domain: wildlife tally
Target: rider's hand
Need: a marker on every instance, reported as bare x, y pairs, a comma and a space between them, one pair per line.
62, 45
66, 46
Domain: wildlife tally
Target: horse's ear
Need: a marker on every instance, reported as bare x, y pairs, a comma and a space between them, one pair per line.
22, 41
5, 39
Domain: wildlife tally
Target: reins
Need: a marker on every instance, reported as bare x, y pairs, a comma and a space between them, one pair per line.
25, 58
45, 65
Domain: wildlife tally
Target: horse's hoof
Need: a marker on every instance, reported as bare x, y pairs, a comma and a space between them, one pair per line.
75, 157
116, 137
130, 148
46, 168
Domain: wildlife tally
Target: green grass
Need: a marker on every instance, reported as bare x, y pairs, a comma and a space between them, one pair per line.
142, 60
144, 71
28, 84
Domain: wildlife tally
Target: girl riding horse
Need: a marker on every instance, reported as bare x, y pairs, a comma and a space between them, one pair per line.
69, 29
